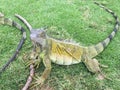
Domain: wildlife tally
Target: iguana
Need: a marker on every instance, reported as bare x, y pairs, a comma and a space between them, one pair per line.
66, 53
7, 21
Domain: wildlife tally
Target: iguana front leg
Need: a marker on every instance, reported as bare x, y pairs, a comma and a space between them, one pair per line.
34, 59
40, 80
35, 55
94, 67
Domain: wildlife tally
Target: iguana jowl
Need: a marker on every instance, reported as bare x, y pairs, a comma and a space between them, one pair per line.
66, 53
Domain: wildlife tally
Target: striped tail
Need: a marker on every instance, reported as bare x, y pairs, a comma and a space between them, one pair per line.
7, 21
98, 48
24, 21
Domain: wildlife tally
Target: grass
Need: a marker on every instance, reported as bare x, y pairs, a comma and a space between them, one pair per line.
83, 20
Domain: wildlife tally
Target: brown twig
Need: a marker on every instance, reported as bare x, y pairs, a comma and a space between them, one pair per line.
30, 78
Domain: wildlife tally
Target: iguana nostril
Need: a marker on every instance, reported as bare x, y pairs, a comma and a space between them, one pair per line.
36, 57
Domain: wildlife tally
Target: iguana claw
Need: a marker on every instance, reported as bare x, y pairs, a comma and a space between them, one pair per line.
101, 76
36, 63
103, 66
39, 81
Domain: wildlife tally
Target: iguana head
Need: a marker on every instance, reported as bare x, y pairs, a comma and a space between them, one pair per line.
38, 36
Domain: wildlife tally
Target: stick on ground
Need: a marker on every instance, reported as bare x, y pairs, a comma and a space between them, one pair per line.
30, 78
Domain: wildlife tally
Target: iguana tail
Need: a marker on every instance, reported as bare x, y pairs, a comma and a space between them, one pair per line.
98, 48
7, 21
24, 21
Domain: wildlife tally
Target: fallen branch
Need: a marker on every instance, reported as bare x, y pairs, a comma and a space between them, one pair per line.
30, 78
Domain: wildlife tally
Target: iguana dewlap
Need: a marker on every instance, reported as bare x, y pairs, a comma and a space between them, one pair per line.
64, 53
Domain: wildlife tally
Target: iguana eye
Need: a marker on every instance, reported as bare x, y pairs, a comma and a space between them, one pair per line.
42, 34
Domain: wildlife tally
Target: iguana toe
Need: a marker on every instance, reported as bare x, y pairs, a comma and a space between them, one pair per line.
36, 63
100, 77
39, 81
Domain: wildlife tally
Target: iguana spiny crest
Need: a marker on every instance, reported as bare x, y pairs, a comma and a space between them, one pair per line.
67, 53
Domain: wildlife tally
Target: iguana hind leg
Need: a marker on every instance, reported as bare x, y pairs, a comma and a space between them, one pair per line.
94, 67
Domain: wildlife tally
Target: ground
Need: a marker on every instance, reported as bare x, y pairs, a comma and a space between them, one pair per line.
83, 20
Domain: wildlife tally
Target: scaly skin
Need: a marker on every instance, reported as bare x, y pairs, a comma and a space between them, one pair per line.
67, 53
9, 22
